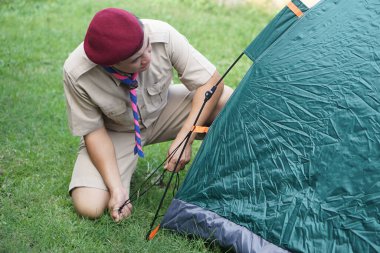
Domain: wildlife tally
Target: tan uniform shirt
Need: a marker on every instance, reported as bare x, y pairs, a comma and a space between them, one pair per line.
96, 99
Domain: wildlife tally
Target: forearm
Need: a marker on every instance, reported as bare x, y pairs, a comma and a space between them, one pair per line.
102, 153
197, 103
177, 161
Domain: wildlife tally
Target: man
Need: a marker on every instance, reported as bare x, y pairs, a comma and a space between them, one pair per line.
119, 98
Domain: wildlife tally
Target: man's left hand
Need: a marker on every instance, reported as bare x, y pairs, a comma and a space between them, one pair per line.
185, 159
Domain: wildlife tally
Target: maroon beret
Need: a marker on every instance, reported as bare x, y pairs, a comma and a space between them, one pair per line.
113, 36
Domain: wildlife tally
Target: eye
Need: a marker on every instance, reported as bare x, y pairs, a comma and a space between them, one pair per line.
136, 60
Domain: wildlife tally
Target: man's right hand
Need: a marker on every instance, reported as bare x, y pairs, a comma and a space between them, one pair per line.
102, 153
117, 199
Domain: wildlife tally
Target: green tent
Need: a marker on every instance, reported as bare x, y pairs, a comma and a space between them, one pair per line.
293, 160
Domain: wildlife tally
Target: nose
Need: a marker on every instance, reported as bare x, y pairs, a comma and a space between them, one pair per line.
145, 58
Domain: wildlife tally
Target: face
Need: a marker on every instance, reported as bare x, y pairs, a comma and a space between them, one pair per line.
138, 62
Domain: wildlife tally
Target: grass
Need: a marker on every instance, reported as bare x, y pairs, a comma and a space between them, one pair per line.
37, 151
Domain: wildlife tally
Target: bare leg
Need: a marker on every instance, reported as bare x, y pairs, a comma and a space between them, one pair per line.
90, 202
227, 92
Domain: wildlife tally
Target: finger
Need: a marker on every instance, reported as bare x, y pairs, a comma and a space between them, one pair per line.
128, 208
178, 168
171, 165
167, 165
182, 164
126, 211
169, 156
179, 165
115, 214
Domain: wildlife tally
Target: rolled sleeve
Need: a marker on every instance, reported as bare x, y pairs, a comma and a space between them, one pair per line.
194, 69
83, 115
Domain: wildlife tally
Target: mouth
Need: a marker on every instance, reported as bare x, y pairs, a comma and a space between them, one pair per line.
144, 67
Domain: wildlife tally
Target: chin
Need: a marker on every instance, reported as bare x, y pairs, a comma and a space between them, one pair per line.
143, 69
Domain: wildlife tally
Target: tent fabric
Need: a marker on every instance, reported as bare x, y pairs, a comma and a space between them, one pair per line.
274, 31
294, 157
228, 234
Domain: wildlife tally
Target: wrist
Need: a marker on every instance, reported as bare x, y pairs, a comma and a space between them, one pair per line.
114, 189
184, 132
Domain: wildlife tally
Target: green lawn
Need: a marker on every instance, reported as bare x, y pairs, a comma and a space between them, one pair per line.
37, 151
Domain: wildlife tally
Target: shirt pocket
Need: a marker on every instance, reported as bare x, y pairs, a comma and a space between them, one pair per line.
157, 93
118, 115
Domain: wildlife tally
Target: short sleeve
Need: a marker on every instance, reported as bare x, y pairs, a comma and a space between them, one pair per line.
83, 115
194, 69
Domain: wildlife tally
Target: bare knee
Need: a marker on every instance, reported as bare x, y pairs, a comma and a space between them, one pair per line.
227, 92
90, 202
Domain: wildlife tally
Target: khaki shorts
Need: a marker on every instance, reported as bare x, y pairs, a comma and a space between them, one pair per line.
165, 128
